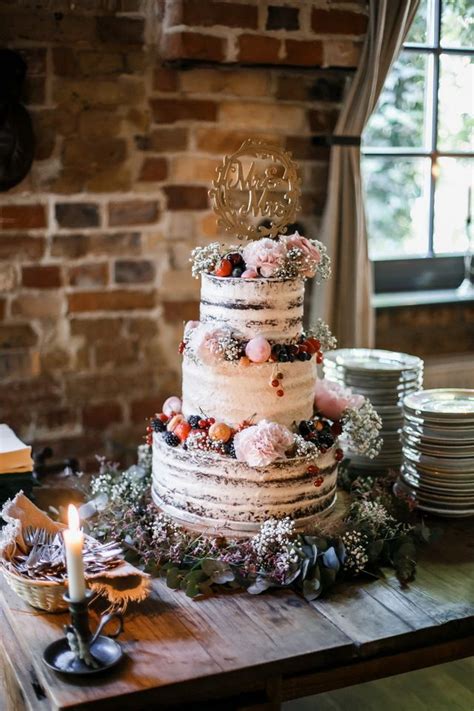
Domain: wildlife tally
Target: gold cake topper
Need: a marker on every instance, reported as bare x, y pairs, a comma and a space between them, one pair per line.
256, 191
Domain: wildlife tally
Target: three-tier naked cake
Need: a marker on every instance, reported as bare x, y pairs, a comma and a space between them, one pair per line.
244, 443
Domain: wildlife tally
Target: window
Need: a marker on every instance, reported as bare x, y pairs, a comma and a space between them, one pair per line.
418, 147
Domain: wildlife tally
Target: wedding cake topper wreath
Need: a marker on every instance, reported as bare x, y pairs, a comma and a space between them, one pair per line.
256, 191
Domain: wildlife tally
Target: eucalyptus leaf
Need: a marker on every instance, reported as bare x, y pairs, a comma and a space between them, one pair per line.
173, 578
331, 560
260, 585
311, 589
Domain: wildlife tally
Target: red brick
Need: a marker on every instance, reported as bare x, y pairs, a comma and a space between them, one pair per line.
96, 329
302, 53
19, 246
73, 246
123, 30
33, 92
120, 352
144, 408
259, 49
22, 217
338, 22
172, 110
133, 212
282, 18
65, 62
302, 148
164, 139
186, 197
177, 311
165, 79
138, 271
154, 169
119, 300
101, 415
41, 277
2, 308
322, 121
90, 274
192, 45
77, 214
35, 58
207, 13
18, 335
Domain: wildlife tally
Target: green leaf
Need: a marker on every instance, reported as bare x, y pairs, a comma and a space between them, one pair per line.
173, 578
375, 549
193, 589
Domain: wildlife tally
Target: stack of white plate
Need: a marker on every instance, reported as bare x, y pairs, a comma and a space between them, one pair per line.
438, 451
385, 378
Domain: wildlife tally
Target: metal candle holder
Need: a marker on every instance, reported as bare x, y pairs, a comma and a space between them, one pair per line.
80, 652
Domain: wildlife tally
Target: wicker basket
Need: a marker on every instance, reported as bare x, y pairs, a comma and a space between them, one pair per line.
38, 593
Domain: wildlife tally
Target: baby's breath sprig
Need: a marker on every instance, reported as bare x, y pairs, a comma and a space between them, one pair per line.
323, 270
322, 332
362, 428
204, 259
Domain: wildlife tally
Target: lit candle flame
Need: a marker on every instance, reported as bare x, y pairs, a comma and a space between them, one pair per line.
73, 518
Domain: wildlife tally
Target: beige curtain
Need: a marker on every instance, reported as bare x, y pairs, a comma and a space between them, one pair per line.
344, 301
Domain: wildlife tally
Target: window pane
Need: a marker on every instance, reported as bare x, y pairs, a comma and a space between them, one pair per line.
457, 23
451, 203
418, 32
456, 103
398, 119
396, 205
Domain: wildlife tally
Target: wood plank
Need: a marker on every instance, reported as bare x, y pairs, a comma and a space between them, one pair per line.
377, 668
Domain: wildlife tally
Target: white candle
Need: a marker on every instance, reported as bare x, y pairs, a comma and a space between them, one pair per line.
74, 540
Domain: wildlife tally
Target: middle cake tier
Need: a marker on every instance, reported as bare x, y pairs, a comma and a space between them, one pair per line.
232, 392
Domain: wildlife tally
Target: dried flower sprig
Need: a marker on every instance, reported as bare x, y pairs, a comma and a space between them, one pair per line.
322, 332
361, 428
205, 259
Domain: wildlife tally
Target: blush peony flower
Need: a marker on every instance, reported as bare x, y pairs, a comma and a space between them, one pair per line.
265, 256
311, 253
263, 443
206, 342
332, 400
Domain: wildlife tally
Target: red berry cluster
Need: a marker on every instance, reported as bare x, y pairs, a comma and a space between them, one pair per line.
275, 383
231, 265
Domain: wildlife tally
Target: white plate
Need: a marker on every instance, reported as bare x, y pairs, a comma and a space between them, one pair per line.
373, 360
444, 404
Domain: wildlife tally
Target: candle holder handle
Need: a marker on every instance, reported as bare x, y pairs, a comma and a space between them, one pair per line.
80, 652
104, 620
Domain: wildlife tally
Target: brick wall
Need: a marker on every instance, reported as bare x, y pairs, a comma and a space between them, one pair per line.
134, 102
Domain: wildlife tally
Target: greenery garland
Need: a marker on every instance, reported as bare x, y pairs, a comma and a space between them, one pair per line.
378, 530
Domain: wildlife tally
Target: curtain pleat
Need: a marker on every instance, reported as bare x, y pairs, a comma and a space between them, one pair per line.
344, 301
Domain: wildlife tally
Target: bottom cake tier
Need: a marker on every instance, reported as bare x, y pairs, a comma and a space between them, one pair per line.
219, 495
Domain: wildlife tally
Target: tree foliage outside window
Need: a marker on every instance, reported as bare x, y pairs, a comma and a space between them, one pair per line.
418, 149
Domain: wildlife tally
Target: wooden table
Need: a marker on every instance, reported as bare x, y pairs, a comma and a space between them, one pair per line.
238, 651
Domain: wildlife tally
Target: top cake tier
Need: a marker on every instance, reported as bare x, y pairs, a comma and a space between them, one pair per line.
254, 307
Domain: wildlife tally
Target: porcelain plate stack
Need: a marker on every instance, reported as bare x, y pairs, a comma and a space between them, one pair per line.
438, 451
385, 378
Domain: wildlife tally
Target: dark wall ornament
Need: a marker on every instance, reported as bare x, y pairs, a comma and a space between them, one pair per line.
17, 142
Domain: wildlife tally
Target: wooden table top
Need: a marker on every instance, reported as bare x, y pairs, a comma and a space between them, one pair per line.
261, 649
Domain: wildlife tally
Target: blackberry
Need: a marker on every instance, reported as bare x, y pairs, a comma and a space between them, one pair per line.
194, 421
305, 427
291, 358
171, 439
276, 349
229, 449
237, 272
302, 356
283, 357
158, 425
325, 439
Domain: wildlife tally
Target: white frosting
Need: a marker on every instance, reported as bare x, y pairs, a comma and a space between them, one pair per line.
209, 487
231, 392
254, 307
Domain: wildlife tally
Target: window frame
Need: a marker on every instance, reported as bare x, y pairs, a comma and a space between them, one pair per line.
407, 272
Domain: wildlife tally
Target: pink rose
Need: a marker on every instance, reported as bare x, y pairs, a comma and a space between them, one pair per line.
265, 256
331, 399
205, 342
263, 443
309, 250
